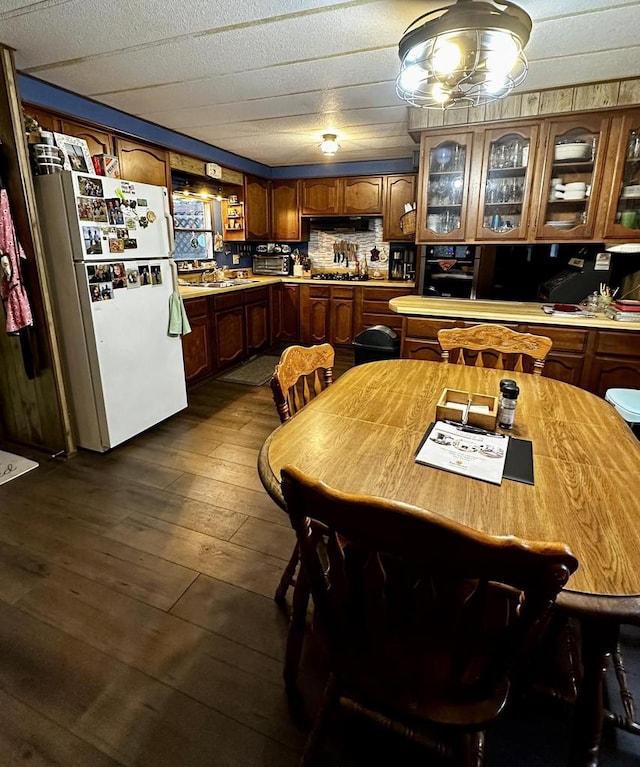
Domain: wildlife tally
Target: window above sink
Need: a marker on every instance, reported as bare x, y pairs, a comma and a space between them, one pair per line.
193, 228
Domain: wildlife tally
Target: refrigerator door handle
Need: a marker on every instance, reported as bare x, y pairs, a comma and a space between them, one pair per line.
172, 242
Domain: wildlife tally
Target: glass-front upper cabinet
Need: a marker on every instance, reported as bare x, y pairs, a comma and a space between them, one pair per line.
623, 214
572, 178
445, 186
505, 189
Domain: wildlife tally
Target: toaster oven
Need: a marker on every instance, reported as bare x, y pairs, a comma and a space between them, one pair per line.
271, 264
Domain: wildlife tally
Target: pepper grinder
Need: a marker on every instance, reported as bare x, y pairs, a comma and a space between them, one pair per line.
509, 392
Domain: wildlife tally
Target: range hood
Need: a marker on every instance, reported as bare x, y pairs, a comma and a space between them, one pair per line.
343, 224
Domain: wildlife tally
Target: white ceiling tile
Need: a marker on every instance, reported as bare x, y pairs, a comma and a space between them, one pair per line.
265, 78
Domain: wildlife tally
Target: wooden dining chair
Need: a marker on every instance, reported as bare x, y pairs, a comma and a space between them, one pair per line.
509, 345
427, 621
300, 375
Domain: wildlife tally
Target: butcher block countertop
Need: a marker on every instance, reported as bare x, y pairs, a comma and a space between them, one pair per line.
500, 311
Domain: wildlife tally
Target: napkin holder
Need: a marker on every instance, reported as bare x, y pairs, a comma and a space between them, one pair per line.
453, 402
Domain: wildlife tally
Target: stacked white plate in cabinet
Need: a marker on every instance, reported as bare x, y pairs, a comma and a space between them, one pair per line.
560, 224
575, 151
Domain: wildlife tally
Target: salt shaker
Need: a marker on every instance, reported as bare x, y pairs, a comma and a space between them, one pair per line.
509, 392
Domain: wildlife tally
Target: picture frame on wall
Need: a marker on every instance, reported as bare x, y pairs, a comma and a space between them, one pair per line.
76, 153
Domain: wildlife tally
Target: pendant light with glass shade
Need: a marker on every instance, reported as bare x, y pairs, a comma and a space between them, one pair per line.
465, 54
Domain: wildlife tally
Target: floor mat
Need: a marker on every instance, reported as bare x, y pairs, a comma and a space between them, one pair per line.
12, 466
255, 373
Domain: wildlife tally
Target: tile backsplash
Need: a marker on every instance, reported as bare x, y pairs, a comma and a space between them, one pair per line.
321, 252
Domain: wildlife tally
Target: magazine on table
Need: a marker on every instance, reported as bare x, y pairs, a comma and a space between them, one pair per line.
465, 450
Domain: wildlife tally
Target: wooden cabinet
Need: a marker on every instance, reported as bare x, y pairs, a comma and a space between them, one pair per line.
229, 326
314, 313
420, 337
321, 197
595, 360
399, 191
290, 313
196, 346
341, 316
565, 361
622, 180
286, 223
143, 163
284, 312
99, 141
446, 196
327, 314
256, 317
509, 183
256, 208
347, 196
372, 307
46, 120
615, 361
506, 183
569, 182
362, 195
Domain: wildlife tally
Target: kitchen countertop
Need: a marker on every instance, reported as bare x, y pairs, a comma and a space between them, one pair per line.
500, 311
258, 281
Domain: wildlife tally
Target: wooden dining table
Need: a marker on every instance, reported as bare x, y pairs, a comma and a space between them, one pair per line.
361, 435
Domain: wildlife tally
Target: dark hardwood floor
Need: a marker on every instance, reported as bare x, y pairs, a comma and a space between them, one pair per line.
137, 625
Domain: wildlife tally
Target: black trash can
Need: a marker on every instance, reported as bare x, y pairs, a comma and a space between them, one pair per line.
376, 343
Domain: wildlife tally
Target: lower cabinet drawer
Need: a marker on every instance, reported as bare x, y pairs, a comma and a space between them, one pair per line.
196, 307
391, 320
564, 339
426, 328
618, 342
229, 301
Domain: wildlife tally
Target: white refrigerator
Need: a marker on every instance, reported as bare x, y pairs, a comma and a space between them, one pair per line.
108, 245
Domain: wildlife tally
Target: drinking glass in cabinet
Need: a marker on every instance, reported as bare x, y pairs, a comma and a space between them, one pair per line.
449, 158
505, 183
448, 222
633, 147
508, 153
456, 190
441, 158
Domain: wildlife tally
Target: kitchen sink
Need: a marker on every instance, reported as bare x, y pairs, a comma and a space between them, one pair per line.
220, 284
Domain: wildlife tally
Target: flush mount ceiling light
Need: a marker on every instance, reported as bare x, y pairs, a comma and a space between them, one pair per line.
465, 54
329, 144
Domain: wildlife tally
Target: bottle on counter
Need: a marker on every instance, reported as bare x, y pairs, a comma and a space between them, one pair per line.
509, 392
591, 302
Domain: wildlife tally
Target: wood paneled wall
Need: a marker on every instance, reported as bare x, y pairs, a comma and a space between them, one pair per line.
32, 412
578, 98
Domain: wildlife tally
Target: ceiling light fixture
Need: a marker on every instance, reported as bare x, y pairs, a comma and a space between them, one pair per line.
329, 144
465, 54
